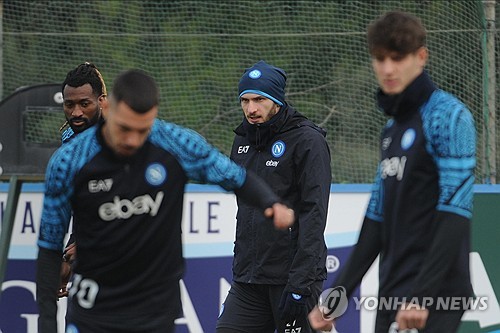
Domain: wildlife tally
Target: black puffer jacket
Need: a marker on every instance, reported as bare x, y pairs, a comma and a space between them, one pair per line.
291, 154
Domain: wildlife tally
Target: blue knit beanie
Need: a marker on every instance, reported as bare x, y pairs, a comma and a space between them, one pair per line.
265, 80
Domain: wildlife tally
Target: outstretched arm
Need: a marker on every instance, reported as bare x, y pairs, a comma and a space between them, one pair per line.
257, 193
203, 162
364, 253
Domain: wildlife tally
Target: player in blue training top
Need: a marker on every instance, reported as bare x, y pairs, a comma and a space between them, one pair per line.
418, 216
124, 181
84, 93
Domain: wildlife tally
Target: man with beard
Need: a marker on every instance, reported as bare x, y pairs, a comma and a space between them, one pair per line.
84, 92
277, 274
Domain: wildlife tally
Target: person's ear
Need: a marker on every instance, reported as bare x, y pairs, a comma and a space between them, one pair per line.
101, 99
104, 106
423, 55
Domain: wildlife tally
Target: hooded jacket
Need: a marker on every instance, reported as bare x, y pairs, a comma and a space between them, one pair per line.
291, 154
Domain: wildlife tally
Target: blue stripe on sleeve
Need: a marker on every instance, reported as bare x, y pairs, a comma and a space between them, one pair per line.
61, 170
200, 160
451, 140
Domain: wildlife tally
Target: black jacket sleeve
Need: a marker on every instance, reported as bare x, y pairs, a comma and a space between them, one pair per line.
47, 283
312, 167
256, 192
452, 232
364, 253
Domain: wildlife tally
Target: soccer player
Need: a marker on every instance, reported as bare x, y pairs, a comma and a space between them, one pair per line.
418, 216
277, 274
124, 181
84, 93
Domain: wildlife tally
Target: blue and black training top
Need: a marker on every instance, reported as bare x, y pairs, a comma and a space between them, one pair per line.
127, 215
418, 216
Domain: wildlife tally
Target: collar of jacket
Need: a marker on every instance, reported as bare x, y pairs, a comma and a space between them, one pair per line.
408, 101
259, 135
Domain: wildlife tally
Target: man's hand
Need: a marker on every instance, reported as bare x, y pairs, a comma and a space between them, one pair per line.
411, 316
65, 275
283, 216
68, 257
292, 306
318, 321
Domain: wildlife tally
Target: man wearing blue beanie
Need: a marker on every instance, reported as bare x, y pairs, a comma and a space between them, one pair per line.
265, 80
277, 275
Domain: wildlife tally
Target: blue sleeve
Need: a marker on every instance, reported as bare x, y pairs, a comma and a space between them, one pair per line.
61, 170
375, 207
200, 160
56, 211
451, 140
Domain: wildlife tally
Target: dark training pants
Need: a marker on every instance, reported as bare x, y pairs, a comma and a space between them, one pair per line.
254, 308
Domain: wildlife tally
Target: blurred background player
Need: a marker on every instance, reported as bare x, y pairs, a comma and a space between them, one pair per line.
418, 216
123, 181
277, 274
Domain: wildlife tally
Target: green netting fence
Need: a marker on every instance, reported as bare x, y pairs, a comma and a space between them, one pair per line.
197, 51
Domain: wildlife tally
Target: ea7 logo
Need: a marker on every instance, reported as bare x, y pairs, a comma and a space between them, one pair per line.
293, 328
386, 142
100, 185
243, 149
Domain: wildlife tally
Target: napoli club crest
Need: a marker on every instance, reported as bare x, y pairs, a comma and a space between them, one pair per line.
156, 174
408, 138
278, 149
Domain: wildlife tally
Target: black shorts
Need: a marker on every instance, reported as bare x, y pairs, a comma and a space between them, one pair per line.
255, 308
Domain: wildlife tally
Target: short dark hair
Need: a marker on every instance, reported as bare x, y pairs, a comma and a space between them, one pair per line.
137, 89
83, 74
396, 31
